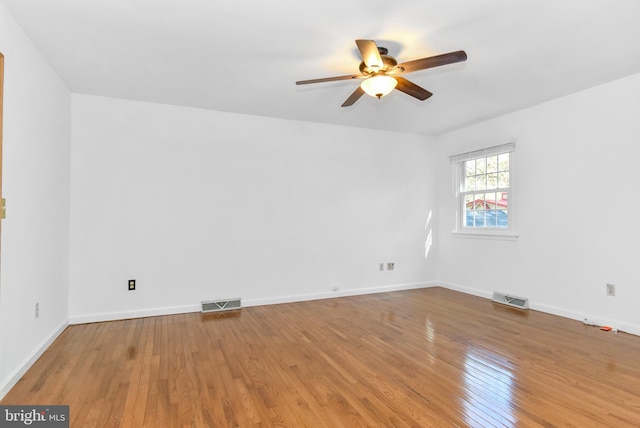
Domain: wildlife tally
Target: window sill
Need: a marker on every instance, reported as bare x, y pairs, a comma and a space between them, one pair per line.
500, 236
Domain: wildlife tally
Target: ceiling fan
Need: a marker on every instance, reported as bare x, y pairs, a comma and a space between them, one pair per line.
381, 72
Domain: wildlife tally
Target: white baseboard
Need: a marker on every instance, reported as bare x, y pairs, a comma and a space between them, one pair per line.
466, 290
333, 294
595, 319
554, 310
26, 364
140, 313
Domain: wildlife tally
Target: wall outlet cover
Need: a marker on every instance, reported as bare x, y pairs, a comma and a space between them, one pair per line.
611, 289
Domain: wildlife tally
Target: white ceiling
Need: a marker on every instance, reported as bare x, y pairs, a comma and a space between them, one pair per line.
244, 56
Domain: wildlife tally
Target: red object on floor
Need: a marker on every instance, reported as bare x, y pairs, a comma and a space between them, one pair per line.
605, 328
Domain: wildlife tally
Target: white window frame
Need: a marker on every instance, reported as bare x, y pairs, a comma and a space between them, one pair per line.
509, 232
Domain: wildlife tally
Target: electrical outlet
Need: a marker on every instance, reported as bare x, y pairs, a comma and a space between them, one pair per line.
611, 289
381, 267
37, 309
132, 284
390, 265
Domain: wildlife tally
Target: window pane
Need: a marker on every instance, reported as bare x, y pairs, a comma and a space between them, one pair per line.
480, 218
492, 163
492, 181
481, 166
468, 211
468, 202
503, 162
481, 182
503, 180
470, 183
503, 218
502, 200
490, 201
468, 219
492, 219
477, 202
470, 168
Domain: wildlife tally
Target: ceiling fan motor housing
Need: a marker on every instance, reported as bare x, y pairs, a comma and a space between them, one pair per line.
388, 62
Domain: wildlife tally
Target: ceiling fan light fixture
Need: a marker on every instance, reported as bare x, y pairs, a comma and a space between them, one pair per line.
379, 85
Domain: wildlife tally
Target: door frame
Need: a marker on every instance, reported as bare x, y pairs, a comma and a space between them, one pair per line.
2, 208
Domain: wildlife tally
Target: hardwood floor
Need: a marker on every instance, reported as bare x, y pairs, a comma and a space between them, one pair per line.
421, 358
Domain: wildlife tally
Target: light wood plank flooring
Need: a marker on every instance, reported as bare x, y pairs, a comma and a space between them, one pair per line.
420, 358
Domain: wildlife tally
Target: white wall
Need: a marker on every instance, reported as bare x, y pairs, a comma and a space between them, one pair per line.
35, 234
578, 171
198, 205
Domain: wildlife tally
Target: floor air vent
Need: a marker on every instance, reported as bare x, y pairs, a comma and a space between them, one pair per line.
516, 302
221, 305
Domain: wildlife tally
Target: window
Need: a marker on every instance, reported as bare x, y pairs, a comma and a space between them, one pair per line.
484, 187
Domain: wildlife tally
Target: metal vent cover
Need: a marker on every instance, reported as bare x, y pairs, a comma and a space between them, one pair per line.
505, 299
221, 305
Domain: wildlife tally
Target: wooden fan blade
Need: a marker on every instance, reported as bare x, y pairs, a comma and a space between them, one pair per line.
353, 97
433, 61
369, 52
412, 89
327, 79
